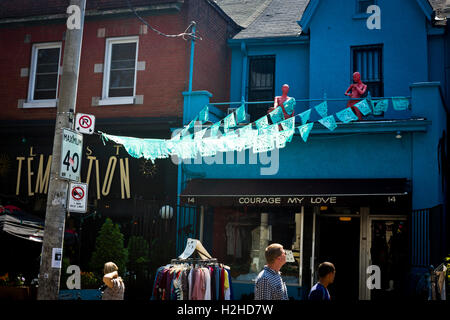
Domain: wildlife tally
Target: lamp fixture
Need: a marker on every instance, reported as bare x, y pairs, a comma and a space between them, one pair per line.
398, 135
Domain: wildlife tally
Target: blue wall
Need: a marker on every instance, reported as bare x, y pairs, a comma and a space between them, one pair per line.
291, 67
334, 29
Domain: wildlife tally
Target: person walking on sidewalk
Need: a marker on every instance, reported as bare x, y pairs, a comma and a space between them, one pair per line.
319, 291
115, 287
269, 285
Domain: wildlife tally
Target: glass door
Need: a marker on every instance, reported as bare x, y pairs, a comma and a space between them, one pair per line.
389, 251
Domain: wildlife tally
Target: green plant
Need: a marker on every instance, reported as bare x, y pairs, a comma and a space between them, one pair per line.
89, 281
138, 255
4, 280
109, 246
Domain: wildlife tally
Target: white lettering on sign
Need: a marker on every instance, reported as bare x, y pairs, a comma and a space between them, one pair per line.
374, 281
295, 200
260, 200
74, 20
74, 281
70, 165
322, 200
374, 21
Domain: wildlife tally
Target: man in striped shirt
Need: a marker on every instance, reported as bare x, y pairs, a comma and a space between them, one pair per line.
269, 285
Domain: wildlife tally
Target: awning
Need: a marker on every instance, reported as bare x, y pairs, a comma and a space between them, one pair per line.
294, 192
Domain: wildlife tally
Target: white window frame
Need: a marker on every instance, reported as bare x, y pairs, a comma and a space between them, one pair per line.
41, 103
106, 100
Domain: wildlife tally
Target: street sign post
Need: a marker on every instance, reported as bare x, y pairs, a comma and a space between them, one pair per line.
78, 193
72, 147
85, 123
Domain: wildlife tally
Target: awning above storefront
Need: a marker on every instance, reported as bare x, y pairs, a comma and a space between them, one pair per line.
293, 192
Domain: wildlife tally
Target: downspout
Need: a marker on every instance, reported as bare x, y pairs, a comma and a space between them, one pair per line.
244, 71
180, 171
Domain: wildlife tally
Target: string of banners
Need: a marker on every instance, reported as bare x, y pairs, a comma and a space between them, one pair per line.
261, 136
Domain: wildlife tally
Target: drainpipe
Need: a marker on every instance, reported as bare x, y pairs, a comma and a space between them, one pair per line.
244, 70
180, 171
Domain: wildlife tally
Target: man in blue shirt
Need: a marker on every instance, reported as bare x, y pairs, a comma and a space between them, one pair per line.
326, 272
269, 285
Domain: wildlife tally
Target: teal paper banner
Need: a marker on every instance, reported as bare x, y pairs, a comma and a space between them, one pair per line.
305, 116
329, 122
228, 122
380, 107
346, 115
288, 123
240, 114
363, 106
322, 109
204, 115
262, 122
305, 130
289, 106
277, 115
214, 129
400, 103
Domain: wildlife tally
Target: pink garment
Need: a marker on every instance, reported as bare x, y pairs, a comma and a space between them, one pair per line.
199, 287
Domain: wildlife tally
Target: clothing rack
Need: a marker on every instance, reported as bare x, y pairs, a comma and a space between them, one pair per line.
194, 261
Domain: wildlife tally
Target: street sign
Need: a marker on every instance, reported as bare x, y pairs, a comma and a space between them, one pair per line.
85, 123
72, 146
78, 197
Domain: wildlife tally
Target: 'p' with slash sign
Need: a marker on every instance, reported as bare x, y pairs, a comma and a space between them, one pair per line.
85, 123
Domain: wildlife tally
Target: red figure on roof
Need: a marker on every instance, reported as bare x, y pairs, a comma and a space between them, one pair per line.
356, 90
280, 100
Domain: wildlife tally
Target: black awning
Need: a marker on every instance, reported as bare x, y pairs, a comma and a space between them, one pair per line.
294, 192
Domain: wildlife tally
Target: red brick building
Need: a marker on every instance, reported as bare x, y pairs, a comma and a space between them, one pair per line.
131, 78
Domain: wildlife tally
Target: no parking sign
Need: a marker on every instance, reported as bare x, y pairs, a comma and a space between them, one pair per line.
85, 123
78, 197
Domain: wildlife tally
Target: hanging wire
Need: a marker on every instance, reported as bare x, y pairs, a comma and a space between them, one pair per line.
182, 35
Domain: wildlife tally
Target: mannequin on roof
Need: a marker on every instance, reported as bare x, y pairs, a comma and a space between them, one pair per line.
280, 100
356, 90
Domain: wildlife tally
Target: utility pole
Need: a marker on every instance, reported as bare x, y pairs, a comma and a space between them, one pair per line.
49, 276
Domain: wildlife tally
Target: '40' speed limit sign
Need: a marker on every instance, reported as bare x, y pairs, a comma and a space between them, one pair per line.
72, 146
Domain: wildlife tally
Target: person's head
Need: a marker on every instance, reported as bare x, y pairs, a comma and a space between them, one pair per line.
275, 255
285, 88
356, 77
326, 272
110, 267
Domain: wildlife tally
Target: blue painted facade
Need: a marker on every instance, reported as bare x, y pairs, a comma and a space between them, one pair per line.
317, 64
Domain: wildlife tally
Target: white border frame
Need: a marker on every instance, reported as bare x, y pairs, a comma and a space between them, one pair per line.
106, 100
41, 103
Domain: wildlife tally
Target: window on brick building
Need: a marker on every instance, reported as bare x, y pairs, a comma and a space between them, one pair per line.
44, 75
261, 85
119, 82
362, 5
368, 61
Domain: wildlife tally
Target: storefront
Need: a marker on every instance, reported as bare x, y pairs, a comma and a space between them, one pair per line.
120, 187
353, 223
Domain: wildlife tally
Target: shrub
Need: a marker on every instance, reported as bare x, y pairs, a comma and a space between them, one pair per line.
109, 246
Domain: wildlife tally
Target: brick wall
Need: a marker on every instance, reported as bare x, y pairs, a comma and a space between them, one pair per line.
166, 63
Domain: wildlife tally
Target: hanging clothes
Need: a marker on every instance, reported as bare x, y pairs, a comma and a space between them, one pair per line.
188, 282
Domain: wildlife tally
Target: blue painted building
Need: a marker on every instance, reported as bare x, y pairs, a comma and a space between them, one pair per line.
370, 192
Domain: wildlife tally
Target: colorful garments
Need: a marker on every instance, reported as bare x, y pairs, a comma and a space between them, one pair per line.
184, 282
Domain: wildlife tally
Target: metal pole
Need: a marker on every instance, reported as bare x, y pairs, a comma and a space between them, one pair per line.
202, 222
49, 276
191, 64
313, 247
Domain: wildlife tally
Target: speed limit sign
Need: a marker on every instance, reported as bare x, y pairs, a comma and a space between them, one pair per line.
72, 146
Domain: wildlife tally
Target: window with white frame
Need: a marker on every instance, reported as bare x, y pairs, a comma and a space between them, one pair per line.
119, 82
44, 75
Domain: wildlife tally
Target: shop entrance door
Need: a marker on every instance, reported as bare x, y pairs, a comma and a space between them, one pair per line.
339, 244
389, 251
